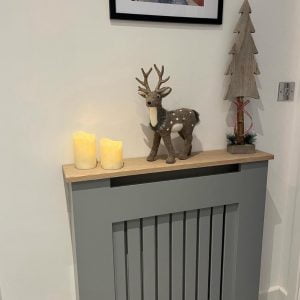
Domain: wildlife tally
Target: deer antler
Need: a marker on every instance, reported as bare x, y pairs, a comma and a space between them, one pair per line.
160, 76
144, 83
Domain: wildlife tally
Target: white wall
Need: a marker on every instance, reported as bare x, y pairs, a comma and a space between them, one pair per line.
65, 66
279, 42
291, 254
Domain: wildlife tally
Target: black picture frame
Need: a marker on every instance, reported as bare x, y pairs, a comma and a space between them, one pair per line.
156, 18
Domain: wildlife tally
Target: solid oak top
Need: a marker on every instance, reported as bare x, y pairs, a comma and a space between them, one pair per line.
139, 166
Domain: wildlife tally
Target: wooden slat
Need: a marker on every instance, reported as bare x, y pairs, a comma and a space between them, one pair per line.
138, 166
204, 253
149, 258
119, 261
216, 253
177, 256
163, 257
134, 260
230, 252
190, 254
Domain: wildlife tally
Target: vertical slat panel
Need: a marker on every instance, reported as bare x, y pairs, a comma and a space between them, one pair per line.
204, 253
134, 260
163, 256
119, 260
216, 253
177, 256
229, 256
149, 255
149, 259
190, 254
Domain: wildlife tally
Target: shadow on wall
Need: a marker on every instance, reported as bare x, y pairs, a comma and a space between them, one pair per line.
166, 25
177, 141
272, 218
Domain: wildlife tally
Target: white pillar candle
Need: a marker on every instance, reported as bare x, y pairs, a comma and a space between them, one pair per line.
111, 154
85, 156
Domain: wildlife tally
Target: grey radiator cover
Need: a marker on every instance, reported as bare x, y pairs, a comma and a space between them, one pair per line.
231, 202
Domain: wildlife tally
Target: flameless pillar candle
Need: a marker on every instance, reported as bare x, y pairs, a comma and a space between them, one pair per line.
84, 150
111, 154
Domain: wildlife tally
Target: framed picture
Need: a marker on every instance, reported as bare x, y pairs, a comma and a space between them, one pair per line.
179, 11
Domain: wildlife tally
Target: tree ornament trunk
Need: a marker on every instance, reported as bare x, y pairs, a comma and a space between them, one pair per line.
240, 132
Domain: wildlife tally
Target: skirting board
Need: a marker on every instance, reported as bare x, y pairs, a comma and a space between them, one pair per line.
274, 293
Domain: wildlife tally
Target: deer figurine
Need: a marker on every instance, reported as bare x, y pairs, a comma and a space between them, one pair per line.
163, 122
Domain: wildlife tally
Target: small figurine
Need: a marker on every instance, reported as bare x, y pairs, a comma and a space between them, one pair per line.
164, 122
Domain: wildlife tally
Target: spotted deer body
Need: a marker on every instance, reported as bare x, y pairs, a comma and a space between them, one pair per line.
164, 122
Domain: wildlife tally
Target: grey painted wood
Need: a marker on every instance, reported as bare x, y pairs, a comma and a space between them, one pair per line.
216, 253
250, 230
177, 256
119, 261
230, 248
134, 260
149, 258
190, 254
68, 193
147, 200
70, 208
96, 206
163, 257
203, 253
93, 235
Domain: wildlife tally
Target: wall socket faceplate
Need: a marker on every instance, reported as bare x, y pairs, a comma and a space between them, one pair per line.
286, 91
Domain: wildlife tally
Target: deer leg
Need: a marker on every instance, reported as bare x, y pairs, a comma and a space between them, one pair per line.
155, 146
188, 138
181, 135
170, 149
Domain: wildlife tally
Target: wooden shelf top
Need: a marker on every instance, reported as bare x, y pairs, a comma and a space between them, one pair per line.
138, 166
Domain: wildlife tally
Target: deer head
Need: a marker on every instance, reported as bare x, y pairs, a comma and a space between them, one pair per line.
154, 98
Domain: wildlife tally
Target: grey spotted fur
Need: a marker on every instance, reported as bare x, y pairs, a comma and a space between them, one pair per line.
188, 118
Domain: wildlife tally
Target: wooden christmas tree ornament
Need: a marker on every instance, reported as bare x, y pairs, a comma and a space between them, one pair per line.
242, 70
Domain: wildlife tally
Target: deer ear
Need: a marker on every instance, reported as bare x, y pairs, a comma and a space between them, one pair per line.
165, 91
142, 94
